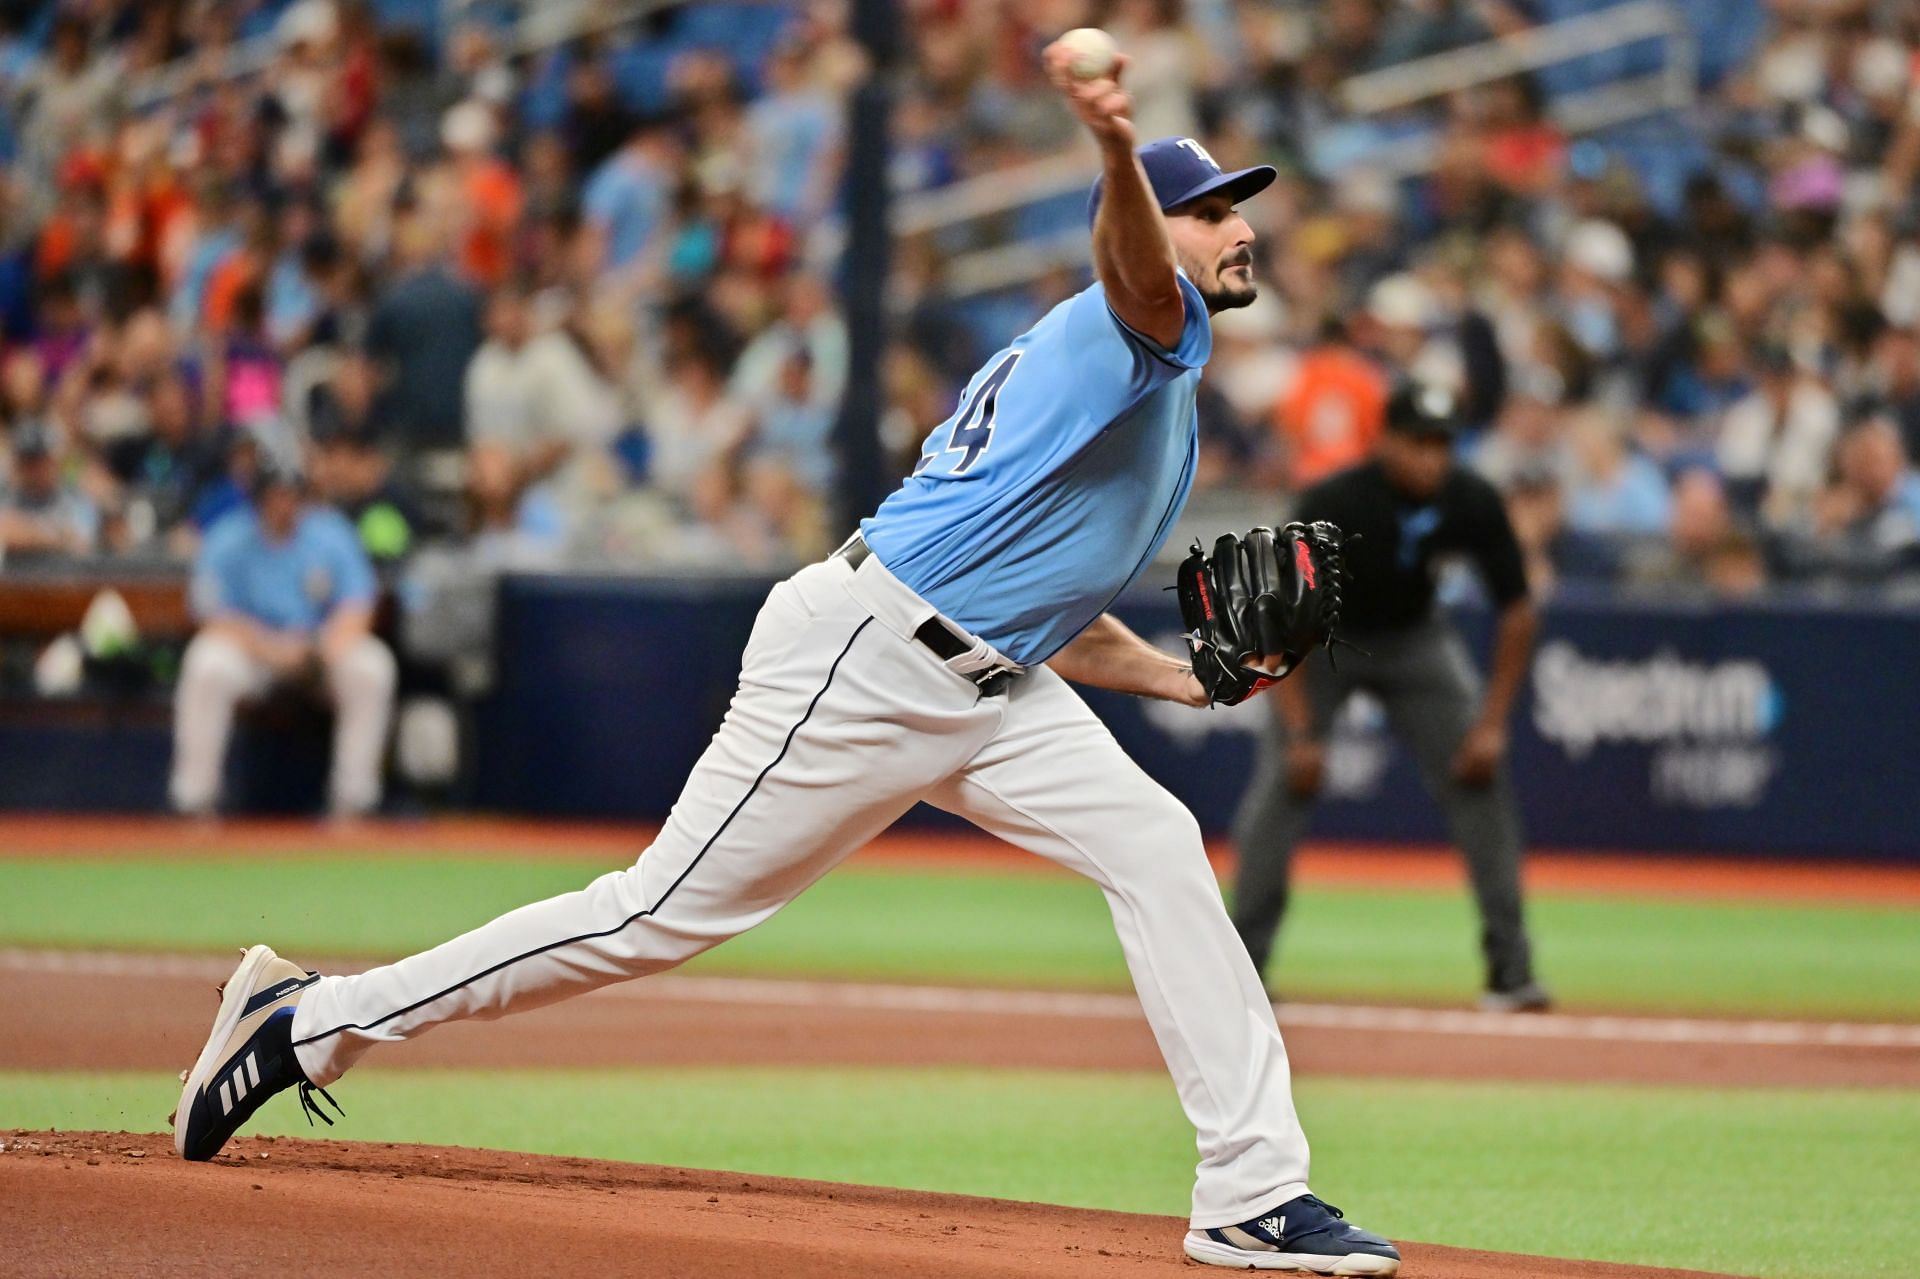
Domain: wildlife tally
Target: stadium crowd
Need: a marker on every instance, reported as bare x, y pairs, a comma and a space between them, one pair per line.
577, 304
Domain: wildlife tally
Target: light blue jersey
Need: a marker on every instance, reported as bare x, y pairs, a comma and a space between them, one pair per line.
293, 585
1055, 481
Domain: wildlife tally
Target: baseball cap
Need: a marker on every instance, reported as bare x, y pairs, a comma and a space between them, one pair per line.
1401, 301
1179, 169
273, 470
32, 441
1423, 409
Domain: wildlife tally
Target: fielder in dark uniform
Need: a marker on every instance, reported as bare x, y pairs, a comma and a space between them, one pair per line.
1409, 505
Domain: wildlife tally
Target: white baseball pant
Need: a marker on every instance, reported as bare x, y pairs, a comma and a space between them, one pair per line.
841, 722
216, 675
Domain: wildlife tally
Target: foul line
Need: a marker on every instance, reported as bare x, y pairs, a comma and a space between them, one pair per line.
955, 1000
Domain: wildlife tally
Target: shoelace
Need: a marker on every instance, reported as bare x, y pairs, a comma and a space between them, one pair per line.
1309, 1198
1331, 541
310, 1107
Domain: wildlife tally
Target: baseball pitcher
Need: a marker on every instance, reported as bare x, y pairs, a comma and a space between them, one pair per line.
931, 658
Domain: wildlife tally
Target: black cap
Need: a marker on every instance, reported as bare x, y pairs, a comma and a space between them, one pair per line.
1423, 409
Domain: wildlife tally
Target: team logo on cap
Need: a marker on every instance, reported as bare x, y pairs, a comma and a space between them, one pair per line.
1201, 152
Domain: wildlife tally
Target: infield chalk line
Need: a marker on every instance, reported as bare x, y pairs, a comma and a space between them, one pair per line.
1087, 1005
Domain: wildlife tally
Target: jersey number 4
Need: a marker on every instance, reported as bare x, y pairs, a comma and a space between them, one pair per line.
973, 425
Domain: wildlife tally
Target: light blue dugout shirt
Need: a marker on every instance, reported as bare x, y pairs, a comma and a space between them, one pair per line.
1055, 481
293, 585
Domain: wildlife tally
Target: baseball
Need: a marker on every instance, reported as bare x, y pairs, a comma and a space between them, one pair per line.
1093, 52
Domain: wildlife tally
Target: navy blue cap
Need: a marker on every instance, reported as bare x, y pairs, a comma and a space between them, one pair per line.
1179, 169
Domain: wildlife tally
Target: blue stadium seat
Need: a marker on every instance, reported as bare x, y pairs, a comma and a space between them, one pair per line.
543, 102
417, 15
640, 72
259, 20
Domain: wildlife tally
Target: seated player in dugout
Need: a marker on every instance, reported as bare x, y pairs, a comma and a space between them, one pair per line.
285, 596
1403, 510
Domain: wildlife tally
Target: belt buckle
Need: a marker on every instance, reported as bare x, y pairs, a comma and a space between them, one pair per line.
994, 682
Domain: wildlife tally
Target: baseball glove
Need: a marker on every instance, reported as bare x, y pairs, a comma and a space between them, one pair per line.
1257, 597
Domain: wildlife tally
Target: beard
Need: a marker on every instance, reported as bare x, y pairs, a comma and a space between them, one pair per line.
1228, 297
1225, 296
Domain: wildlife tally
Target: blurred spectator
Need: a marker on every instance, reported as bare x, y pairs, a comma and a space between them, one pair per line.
509, 525
694, 431
65, 96
1398, 329
1894, 379
626, 199
486, 192
1614, 490
285, 597
424, 329
1166, 60
1537, 509
596, 121
539, 399
789, 459
793, 139
1529, 439
309, 248
1868, 521
353, 475
42, 514
165, 468
1333, 412
1774, 443
807, 322
1700, 536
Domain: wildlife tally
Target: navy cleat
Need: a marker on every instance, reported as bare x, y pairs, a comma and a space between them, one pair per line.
248, 1057
1302, 1234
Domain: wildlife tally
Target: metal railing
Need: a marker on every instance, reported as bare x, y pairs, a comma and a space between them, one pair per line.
538, 26
1673, 87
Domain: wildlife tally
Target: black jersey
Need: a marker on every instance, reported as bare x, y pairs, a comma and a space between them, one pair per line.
1390, 567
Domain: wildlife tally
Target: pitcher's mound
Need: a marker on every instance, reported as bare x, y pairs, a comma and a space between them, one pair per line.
121, 1203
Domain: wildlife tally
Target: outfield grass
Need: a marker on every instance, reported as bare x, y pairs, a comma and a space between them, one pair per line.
964, 926
1801, 1185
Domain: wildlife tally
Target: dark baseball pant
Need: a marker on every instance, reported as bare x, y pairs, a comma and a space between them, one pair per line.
1430, 690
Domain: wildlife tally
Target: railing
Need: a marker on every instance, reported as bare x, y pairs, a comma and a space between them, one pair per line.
987, 269
1673, 87
539, 26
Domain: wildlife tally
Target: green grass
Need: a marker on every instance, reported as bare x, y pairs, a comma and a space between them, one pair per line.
983, 927
1801, 1185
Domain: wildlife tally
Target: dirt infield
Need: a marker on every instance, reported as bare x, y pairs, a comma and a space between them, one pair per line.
325, 1207
148, 1012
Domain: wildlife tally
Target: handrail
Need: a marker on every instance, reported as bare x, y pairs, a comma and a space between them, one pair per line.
1027, 183
539, 26
1442, 73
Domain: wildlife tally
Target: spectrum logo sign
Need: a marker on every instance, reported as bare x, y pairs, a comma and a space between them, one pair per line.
1708, 726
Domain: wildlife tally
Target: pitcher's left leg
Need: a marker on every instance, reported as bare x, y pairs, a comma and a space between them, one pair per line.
1055, 782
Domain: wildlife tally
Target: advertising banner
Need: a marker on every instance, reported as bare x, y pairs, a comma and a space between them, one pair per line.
1757, 729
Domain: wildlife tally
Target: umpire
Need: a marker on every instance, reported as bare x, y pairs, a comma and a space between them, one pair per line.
1409, 506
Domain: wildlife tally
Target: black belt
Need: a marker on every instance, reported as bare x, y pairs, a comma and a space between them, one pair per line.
944, 643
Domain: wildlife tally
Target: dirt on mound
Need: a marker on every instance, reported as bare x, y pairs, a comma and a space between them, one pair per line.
120, 1203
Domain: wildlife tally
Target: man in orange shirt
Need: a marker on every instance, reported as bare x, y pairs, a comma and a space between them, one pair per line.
1334, 410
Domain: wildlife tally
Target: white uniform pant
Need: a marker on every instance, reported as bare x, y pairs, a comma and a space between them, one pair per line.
217, 675
840, 723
